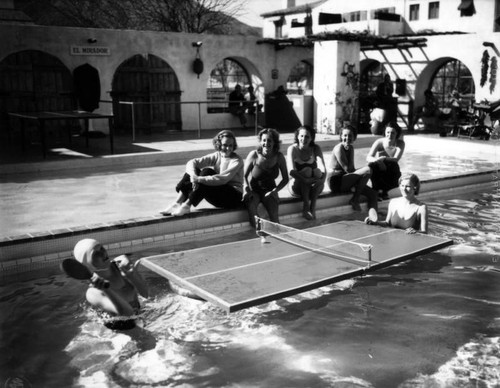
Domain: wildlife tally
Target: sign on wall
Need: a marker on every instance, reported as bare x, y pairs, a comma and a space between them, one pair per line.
89, 50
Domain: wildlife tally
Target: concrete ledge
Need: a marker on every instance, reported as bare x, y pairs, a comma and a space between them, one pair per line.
21, 253
174, 153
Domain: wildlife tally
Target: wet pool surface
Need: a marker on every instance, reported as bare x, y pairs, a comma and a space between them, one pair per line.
431, 322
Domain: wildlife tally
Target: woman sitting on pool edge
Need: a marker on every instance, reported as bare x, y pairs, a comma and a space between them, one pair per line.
216, 177
346, 177
307, 170
406, 212
383, 159
115, 284
262, 168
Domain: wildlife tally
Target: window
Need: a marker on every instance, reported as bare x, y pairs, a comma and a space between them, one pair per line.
223, 79
466, 8
434, 10
414, 11
452, 75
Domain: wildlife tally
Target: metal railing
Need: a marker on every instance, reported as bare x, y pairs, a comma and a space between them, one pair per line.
133, 104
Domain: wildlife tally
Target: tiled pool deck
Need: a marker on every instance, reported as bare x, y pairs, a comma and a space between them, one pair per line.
57, 203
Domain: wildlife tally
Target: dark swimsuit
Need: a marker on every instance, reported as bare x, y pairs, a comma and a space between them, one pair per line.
387, 179
338, 173
264, 180
301, 164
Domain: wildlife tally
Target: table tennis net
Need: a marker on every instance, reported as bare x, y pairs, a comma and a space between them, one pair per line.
330, 246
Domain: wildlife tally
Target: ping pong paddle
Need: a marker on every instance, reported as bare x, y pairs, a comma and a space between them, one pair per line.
78, 271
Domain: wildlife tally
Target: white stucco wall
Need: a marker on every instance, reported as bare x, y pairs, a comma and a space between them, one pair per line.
416, 65
332, 92
482, 21
174, 48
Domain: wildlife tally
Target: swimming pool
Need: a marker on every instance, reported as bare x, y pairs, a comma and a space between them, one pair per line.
430, 322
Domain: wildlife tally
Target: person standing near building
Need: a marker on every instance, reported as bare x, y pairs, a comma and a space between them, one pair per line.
387, 103
237, 104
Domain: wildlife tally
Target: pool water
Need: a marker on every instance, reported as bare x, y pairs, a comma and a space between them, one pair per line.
431, 322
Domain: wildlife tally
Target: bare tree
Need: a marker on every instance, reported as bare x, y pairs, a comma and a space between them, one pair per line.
196, 16
80, 13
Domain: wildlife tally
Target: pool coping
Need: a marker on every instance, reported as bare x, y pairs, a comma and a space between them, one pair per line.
32, 250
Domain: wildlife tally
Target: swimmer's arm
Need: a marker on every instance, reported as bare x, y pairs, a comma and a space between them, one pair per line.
130, 271
387, 222
108, 300
183, 292
138, 281
423, 215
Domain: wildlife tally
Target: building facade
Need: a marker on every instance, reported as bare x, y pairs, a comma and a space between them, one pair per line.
442, 45
330, 55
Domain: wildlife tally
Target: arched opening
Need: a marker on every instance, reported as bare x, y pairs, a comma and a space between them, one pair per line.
34, 81
223, 78
450, 76
152, 84
301, 79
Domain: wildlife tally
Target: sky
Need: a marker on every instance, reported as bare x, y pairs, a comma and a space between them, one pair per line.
252, 10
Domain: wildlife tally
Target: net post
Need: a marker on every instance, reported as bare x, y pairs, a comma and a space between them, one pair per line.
370, 256
258, 225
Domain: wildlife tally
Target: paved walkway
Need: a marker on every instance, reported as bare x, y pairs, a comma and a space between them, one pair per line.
34, 201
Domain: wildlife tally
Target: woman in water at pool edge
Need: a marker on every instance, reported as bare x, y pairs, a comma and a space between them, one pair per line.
406, 212
115, 284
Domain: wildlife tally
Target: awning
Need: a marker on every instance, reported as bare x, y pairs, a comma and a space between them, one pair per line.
466, 4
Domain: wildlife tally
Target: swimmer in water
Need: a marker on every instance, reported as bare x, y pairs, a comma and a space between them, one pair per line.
406, 212
115, 284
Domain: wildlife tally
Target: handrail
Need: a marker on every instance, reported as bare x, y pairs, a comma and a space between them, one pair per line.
134, 103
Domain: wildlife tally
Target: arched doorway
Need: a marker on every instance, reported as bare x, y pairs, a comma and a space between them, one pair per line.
223, 78
153, 85
33, 81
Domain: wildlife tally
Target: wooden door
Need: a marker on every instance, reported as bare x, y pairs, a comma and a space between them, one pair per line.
32, 81
152, 84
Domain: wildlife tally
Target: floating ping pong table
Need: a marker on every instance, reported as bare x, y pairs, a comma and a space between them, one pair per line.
41, 117
243, 274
